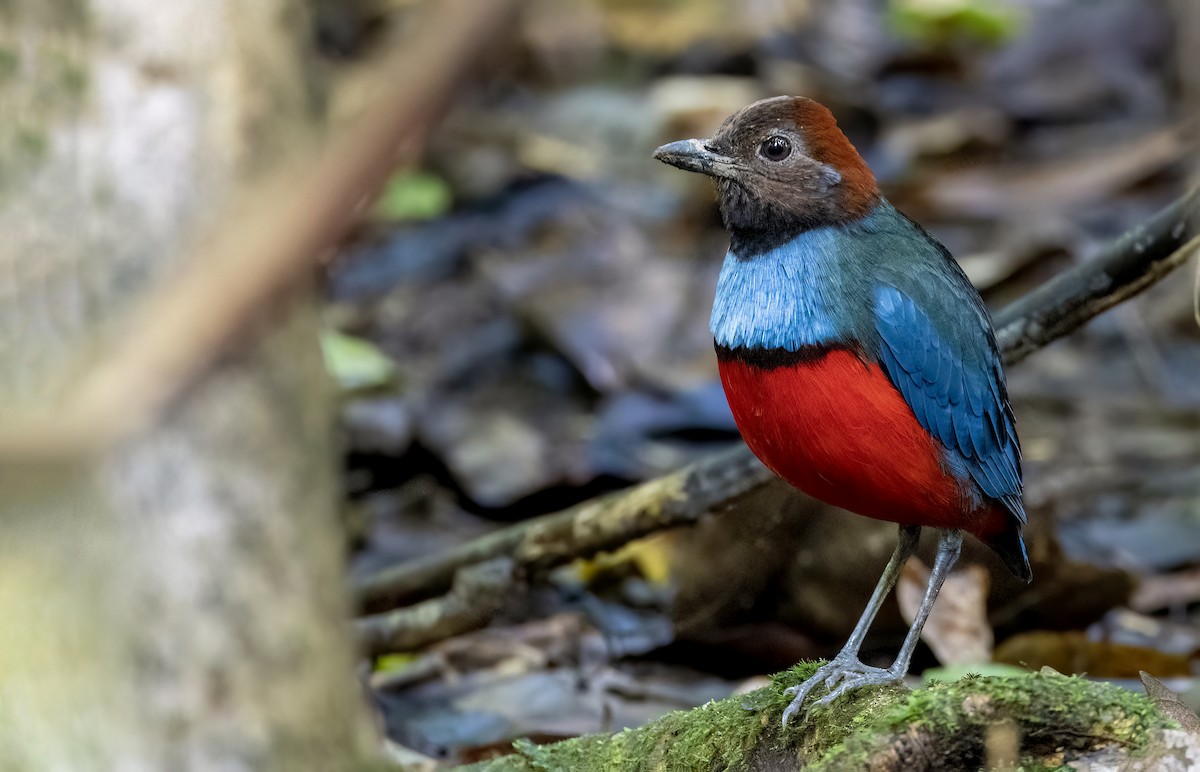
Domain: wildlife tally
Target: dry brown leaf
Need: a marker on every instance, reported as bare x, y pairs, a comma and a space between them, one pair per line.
1155, 593
1073, 182
1170, 704
1073, 652
957, 631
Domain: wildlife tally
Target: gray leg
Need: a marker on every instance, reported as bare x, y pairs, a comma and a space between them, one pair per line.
846, 662
905, 547
949, 545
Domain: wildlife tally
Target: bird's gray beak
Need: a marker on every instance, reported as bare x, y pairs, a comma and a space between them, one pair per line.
692, 155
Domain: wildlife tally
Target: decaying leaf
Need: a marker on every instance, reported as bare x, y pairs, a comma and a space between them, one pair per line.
957, 629
1155, 593
1170, 704
1071, 183
1073, 652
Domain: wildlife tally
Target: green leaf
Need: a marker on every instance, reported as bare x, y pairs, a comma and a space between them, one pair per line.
955, 672
942, 21
356, 363
413, 196
394, 663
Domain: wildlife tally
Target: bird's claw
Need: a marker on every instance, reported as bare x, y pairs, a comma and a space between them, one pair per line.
839, 676
868, 676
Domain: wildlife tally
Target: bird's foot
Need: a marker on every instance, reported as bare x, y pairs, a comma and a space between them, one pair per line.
839, 675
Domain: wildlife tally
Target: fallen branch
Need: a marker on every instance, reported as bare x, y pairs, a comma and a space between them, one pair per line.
593, 526
1132, 263
477, 595
1135, 261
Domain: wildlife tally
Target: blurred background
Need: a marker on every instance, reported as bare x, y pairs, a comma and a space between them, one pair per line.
520, 325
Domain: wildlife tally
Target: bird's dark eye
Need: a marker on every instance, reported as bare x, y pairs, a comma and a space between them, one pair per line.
776, 148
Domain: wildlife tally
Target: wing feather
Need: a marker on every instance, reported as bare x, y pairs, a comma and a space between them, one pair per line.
953, 383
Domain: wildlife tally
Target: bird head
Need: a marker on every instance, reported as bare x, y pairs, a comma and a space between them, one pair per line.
781, 165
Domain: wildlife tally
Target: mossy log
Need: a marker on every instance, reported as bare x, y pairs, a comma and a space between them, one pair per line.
1035, 720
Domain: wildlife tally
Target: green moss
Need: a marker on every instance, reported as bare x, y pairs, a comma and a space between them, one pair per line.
31, 144
53, 14
1049, 709
745, 731
717, 735
1034, 698
73, 79
10, 64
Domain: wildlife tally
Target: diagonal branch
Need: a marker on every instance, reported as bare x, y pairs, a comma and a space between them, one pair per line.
601, 524
1133, 262
1128, 266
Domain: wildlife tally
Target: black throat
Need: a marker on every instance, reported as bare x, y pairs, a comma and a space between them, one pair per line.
746, 243
757, 227
773, 358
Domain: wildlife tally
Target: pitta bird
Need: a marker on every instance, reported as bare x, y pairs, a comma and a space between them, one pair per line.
858, 360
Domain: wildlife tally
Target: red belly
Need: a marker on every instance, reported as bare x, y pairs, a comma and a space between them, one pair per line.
837, 429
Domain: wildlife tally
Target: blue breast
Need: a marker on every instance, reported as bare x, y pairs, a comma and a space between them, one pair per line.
787, 298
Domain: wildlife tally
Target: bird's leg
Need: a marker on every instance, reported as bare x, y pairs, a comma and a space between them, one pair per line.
949, 545
846, 662
910, 535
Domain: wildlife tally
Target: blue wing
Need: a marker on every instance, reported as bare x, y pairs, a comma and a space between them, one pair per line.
952, 381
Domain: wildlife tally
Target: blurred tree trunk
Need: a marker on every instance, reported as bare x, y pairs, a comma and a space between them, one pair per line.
175, 603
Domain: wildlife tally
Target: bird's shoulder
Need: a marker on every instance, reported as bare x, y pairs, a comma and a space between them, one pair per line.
901, 256
937, 345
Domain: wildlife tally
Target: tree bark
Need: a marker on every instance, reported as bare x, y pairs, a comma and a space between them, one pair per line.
175, 602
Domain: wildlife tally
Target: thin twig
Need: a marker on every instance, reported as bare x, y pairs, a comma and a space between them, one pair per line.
477, 595
258, 253
1131, 264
